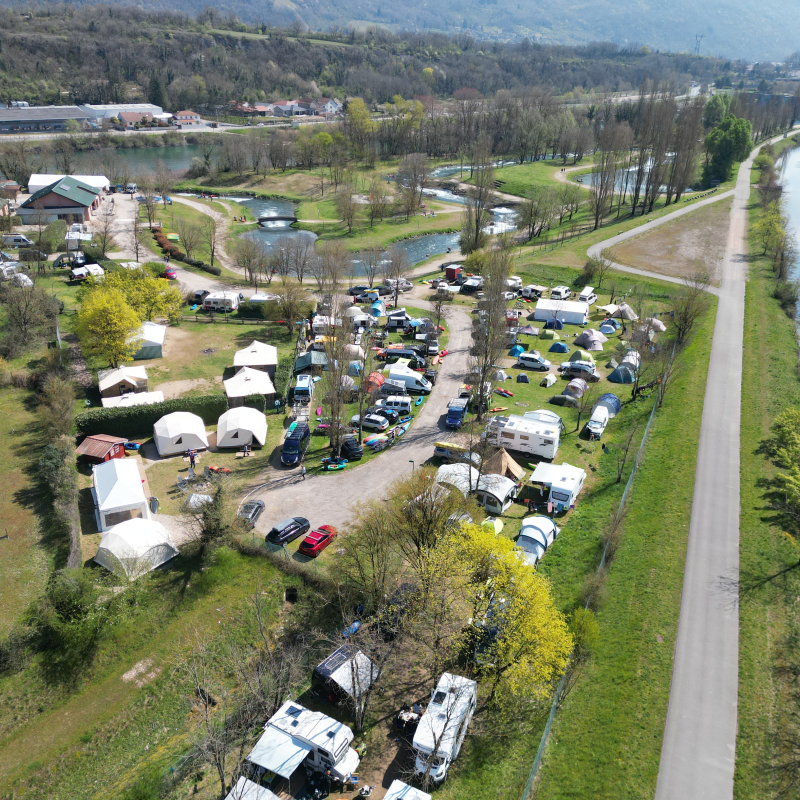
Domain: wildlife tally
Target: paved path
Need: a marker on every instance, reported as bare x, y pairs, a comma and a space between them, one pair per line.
698, 753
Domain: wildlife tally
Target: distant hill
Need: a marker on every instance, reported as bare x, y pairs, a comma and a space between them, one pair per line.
764, 31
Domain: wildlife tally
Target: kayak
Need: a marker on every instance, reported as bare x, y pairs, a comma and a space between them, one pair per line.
319, 411
419, 402
406, 419
504, 392
435, 360
333, 467
499, 408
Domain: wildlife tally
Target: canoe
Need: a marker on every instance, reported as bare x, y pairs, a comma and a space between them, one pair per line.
333, 467
499, 408
419, 402
435, 360
319, 411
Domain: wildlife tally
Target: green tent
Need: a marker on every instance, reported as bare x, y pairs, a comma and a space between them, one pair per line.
549, 334
582, 355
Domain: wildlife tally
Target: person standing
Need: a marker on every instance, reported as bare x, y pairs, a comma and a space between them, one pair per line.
303, 472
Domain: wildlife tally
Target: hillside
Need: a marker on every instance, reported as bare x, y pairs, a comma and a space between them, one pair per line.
731, 28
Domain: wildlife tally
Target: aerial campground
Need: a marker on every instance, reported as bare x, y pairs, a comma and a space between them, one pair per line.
399, 405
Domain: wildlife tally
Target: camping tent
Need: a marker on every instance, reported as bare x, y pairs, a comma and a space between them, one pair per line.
576, 387
501, 463
353, 311
589, 337
247, 382
563, 400
134, 547
402, 791
582, 355
624, 373
558, 347
257, 355
656, 324
625, 312
548, 334
610, 321
523, 378
151, 341
117, 492
632, 358
354, 351
178, 432
611, 402
529, 330
241, 426
499, 375
607, 329
355, 368
516, 350
494, 523
346, 672
548, 380
554, 324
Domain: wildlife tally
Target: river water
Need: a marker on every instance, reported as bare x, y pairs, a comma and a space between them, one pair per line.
790, 199
142, 159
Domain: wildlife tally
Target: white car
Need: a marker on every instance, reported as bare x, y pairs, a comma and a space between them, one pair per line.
371, 422
537, 534
21, 279
405, 286
560, 293
509, 295
597, 422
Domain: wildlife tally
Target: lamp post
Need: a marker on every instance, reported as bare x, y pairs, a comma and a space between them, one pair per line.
411, 461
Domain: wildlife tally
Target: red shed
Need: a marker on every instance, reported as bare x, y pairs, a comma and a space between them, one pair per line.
99, 448
452, 273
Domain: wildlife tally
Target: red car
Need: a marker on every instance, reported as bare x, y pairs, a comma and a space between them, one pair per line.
169, 274
317, 540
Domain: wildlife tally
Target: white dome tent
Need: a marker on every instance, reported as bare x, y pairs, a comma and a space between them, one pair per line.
135, 547
241, 426
180, 431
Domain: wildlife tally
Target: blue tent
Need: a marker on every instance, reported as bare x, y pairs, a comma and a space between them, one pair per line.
607, 330
558, 347
624, 373
516, 350
611, 402
615, 323
522, 378
554, 325
355, 368
415, 323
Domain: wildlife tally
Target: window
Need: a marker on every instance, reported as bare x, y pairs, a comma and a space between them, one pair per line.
507, 435
561, 497
235, 435
548, 441
179, 440
524, 438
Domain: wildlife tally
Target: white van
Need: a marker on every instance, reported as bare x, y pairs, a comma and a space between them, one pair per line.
304, 388
414, 382
8, 269
533, 360
397, 403
441, 731
587, 295
514, 283
16, 240
560, 293
533, 292
221, 301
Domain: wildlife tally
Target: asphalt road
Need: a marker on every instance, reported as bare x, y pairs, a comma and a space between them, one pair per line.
698, 753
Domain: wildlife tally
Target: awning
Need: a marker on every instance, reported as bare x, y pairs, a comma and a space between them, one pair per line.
279, 752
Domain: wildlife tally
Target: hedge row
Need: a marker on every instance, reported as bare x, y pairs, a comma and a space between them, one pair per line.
283, 376
168, 247
139, 420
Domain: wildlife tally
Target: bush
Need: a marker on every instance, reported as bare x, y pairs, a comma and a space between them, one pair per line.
283, 376
256, 401
787, 293
209, 269
138, 421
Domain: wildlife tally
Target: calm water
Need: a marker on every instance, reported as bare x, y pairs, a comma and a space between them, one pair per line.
790, 177
141, 159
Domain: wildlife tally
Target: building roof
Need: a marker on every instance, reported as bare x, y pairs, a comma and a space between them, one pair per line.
35, 113
70, 189
256, 354
187, 113
106, 378
133, 399
152, 333
117, 485
98, 446
248, 381
40, 180
135, 116
117, 107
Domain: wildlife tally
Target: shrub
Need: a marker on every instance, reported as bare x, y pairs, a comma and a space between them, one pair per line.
256, 401
787, 293
139, 420
283, 376
208, 268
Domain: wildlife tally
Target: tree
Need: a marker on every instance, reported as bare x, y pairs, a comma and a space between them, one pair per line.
212, 522
29, 309
336, 384
413, 174
537, 212
586, 403
330, 266
690, 303
292, 301
346, 207
476, 211
379, 200
731, 140
134, 235
251, 255
621, 451
144, 184
191, 235
395, 269
595, 271
104, 229
107, 326
358, 124
163, 180
371, 264
156, 94
212, 236
147, 295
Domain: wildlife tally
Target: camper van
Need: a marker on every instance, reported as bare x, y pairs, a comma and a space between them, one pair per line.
303, 388
443, 726
8, 269
401, 403
533, 292
524, 435
396, 353
587, 295
16, 240
514, 283
413, 381
221, 301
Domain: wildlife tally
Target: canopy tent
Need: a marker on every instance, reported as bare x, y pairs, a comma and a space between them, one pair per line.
589, 337
347, 671
241, 426
576, 388
624, 373
548, 334
558, 347
656, 324
247, 382
529, 330
354, 351
516, 350
178, 432
117, 492
150, 340
501, 463
548, 380
402, 791
607, 329
377, 309
135, 547
609, 309
245, 789
563, 400
582, 355
257, 355
353, 311
624, 311
554, 324
611, 402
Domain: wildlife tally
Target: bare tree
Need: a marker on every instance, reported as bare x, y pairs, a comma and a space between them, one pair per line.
476, 211
689, 304
440, 310
292, 301
144, 184
379, 200
301, 254
395, 268
134, 236
337, 385
586, 402
371, 262
212, 236
346, 206
251, 254
191, 235
596, 270
163, 180
330, 266
413, 174
622, 450
104, 229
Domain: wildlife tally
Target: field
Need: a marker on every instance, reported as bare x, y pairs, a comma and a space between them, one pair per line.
521, 178
694, 243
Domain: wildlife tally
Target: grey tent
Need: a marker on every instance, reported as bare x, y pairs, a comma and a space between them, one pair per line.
563, 400
522, 378
576, 388
548, 380
591, 339
624, 373
625, 312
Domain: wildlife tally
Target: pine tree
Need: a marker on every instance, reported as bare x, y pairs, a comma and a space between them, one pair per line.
156, 93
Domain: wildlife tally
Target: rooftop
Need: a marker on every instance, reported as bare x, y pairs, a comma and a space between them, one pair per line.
41, 113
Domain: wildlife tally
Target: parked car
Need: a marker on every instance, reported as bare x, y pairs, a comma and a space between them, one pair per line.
383, 290
560, 293
533, 360
351, 449
295, 445
317, 540
370, 422
169, 274
509, 295
580, 369
287, 530
250, 512
31, 254
597, 423
200, 295
354, 291
79, 259
387, 413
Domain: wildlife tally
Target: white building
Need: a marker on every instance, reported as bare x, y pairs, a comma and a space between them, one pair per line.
569, 311
101, 113
117, 492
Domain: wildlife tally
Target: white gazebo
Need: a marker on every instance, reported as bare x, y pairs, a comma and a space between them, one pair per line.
178, 432
135, 547
248, 381
241, 426
257, 355
117, 492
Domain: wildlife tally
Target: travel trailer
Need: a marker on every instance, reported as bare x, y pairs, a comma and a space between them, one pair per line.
524, 435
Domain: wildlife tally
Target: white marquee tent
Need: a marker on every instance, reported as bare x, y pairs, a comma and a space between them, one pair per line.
117, 492
178, 432
248, 381
240, 426
135, 547
257, 355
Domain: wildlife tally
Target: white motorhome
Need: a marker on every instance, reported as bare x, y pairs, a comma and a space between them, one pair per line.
563, 481
294, 735
443, 726
322, 324
221, 301
524, 435
413, 381
8, 269
514, 283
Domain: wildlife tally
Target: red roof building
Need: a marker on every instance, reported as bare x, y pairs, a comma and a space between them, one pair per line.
100, 448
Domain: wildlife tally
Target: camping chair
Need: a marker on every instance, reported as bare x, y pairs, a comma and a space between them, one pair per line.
182, 484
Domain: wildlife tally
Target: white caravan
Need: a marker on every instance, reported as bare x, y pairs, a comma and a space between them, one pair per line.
443, 726
221, 301
530, 436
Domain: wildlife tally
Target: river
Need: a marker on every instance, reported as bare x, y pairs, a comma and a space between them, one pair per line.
790, 199
140, 159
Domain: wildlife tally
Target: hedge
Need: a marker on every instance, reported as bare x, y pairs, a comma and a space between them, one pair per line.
283, 376
138, 421
256, 401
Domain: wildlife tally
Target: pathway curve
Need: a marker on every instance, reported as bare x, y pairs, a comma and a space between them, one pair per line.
224, 222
